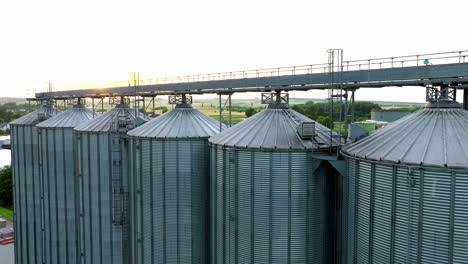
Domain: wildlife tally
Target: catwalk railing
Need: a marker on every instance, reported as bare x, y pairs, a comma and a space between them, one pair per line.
412, 70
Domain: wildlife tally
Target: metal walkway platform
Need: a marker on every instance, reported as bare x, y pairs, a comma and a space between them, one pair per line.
450, 68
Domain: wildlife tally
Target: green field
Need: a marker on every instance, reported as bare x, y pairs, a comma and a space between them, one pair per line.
6, 213
236, 117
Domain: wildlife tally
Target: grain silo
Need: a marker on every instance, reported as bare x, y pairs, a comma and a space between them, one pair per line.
407, 190
27, 184
271, 199
171, 186
103, 175
59, 203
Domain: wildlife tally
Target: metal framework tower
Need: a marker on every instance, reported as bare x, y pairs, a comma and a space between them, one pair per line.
336, 94
227, 104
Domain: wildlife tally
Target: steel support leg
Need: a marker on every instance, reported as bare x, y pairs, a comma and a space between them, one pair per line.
220, 114
94, 111
352, 106
465, 99
346, 116
135, 105
230, 112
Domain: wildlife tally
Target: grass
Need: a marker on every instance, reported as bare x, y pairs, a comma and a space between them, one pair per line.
6, 213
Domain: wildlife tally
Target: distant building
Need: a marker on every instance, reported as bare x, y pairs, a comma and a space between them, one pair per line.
4, 126
388, 115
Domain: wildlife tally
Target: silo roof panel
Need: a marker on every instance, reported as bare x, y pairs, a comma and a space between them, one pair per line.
181, 122
432, 136
70, 118
105, 122
275, 128
33, 118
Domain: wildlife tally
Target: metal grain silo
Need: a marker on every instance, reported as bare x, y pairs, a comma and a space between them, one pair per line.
171, 186
407, 190
27, 184
103, 174
271, 199
59, 203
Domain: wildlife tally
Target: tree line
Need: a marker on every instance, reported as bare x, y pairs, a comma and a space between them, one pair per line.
12, 111
6, 187
320, 112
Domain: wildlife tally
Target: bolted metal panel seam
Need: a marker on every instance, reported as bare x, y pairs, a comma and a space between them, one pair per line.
412, 222
58, 203
259, 202
179, 172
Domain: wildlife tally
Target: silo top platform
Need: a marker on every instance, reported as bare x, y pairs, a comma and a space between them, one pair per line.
276, 128
182, 122
434, 136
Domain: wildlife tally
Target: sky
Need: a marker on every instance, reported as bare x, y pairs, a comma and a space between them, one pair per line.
76, 42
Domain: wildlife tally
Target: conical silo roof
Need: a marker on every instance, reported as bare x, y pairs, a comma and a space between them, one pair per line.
182, 122
275, 128
43, 113
107, 122
434, 136
77, 115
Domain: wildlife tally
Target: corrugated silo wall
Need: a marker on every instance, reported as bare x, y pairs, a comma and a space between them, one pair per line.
27, 210
103, 173
59, 195
401, 214
170, 200
270, 207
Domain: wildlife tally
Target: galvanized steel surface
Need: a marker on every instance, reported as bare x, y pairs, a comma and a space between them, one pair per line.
399, 213
432, 136
170, 199
103, 177
43, 113
106, 121
27, 185
59, 188
77, 115
275, 128
170, 177
101, 239
181, 122
269, 207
